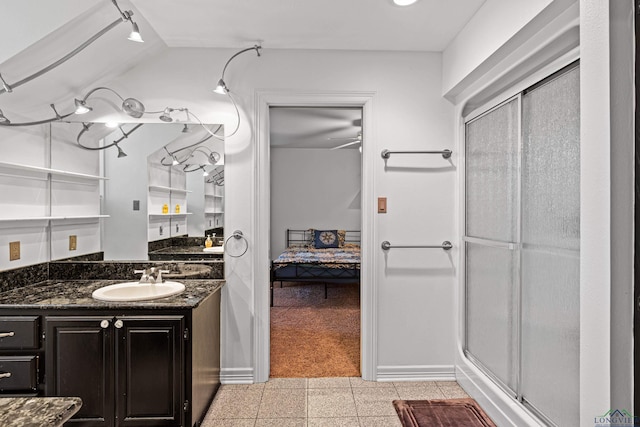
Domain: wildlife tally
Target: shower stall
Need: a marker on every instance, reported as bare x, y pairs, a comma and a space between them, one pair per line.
522, 246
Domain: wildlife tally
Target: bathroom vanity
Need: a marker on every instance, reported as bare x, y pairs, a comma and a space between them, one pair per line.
146, 363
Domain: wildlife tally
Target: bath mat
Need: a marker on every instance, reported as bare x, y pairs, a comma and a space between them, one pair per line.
441, 413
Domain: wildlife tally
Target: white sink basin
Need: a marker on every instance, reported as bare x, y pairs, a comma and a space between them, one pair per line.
214, 249
134, 291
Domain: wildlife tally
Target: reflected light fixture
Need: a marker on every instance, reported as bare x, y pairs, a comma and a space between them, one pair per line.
120, 152
112, 125
166, 115
186, 129
81, 106
3, 118
404, 2
222, 88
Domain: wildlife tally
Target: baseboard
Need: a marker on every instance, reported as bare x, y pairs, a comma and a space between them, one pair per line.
501, 408
236, 376
416, 373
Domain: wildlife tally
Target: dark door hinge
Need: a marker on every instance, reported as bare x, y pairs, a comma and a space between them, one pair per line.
185, 334
185, 407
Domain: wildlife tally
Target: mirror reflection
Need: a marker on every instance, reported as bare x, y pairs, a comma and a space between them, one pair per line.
164, 191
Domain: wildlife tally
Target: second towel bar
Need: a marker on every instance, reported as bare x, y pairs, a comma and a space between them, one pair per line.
446, 245
387, 153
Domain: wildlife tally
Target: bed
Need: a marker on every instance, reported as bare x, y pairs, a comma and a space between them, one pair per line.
310, 259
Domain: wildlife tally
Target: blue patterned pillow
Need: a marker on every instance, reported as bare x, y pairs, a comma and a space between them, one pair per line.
325, 239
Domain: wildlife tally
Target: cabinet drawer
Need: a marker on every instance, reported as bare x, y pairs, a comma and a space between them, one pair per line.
18, 373
19, 332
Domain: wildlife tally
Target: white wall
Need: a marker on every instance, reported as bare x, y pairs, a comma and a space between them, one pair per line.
415, 287
313, 188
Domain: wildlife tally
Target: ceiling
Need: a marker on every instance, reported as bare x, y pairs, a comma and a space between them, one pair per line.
314, 127
37, 34
428, 25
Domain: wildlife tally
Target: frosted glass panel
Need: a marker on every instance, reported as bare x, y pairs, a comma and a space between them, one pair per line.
491, 173
551, 163
490, 309
550, 334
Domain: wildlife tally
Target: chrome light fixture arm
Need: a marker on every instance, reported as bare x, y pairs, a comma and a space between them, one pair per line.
254, 47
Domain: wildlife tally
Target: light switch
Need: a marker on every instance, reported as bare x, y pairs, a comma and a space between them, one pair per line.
73, 242
382, 205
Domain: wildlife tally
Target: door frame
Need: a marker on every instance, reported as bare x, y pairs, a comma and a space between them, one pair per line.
368, 284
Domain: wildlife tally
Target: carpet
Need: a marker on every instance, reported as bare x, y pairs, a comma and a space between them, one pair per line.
441, 413
312, 336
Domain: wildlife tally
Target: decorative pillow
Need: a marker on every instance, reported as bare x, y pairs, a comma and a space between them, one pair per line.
325, 239
342, 235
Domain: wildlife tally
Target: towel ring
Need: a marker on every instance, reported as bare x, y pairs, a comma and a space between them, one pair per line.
237, 235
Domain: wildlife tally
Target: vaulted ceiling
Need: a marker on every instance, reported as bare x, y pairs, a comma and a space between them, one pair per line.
35, 34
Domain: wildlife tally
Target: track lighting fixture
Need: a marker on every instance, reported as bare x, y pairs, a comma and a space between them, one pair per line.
130, 106
134, 36
3, 119
166, 115
120, 152
5, 85
222, 88
186, 129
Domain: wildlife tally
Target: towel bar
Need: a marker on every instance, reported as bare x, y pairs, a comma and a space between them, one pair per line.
445, 153
446, 245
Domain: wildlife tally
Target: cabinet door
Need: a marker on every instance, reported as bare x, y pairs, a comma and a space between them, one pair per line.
150, 370
79, 362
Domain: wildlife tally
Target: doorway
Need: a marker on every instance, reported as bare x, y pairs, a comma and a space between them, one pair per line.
368, 295
315, 224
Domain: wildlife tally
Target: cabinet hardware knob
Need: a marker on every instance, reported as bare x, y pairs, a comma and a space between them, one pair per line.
118, 323
6, 334
5, 375
104, 324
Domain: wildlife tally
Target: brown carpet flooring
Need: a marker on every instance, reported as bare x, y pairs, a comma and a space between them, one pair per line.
312, 336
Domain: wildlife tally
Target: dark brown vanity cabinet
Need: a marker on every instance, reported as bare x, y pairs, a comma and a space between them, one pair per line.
19, 355
128, 370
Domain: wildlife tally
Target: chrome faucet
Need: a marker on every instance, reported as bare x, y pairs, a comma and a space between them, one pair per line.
151, 275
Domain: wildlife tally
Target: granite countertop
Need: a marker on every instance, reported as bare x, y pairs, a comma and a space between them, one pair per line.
182, 250
72, 294
37, 411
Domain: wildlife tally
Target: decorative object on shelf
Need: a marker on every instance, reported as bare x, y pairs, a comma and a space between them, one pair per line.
177, 209
208, 242
165, 208
223, 89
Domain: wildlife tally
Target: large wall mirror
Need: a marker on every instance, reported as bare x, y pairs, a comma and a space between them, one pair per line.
164, 181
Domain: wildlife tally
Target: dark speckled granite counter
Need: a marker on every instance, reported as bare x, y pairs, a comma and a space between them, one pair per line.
75, 294
37, 411
182, 253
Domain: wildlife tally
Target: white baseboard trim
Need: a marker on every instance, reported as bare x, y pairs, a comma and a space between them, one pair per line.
501, 408
416, 373
236, 376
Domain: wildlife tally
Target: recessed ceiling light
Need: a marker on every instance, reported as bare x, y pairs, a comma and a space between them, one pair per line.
404, 2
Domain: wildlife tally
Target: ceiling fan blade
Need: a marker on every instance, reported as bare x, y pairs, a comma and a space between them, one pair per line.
346, 145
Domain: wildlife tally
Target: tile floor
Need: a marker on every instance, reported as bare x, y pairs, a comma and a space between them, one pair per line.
319, 402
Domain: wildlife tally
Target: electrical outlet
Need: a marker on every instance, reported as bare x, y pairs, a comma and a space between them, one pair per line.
14, 251
73, 242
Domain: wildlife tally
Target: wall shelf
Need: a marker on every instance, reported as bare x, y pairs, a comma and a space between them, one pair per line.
54, 218
168, 189
171, 214
17, 166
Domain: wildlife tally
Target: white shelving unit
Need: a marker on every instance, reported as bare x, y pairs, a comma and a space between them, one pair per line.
214, 206
21, 167
53, 218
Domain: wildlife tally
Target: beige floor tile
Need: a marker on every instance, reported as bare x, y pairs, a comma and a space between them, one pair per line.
333, 422
372, 402
283, 403
380, 421
433, 384
286, 383
330, 403
446, 383
234, 422
329, 382
419, 393
235, 404
281, 422
453, 392
359, 382
256, 386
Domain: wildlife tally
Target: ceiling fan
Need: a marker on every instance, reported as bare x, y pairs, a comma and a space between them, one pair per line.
350, 141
